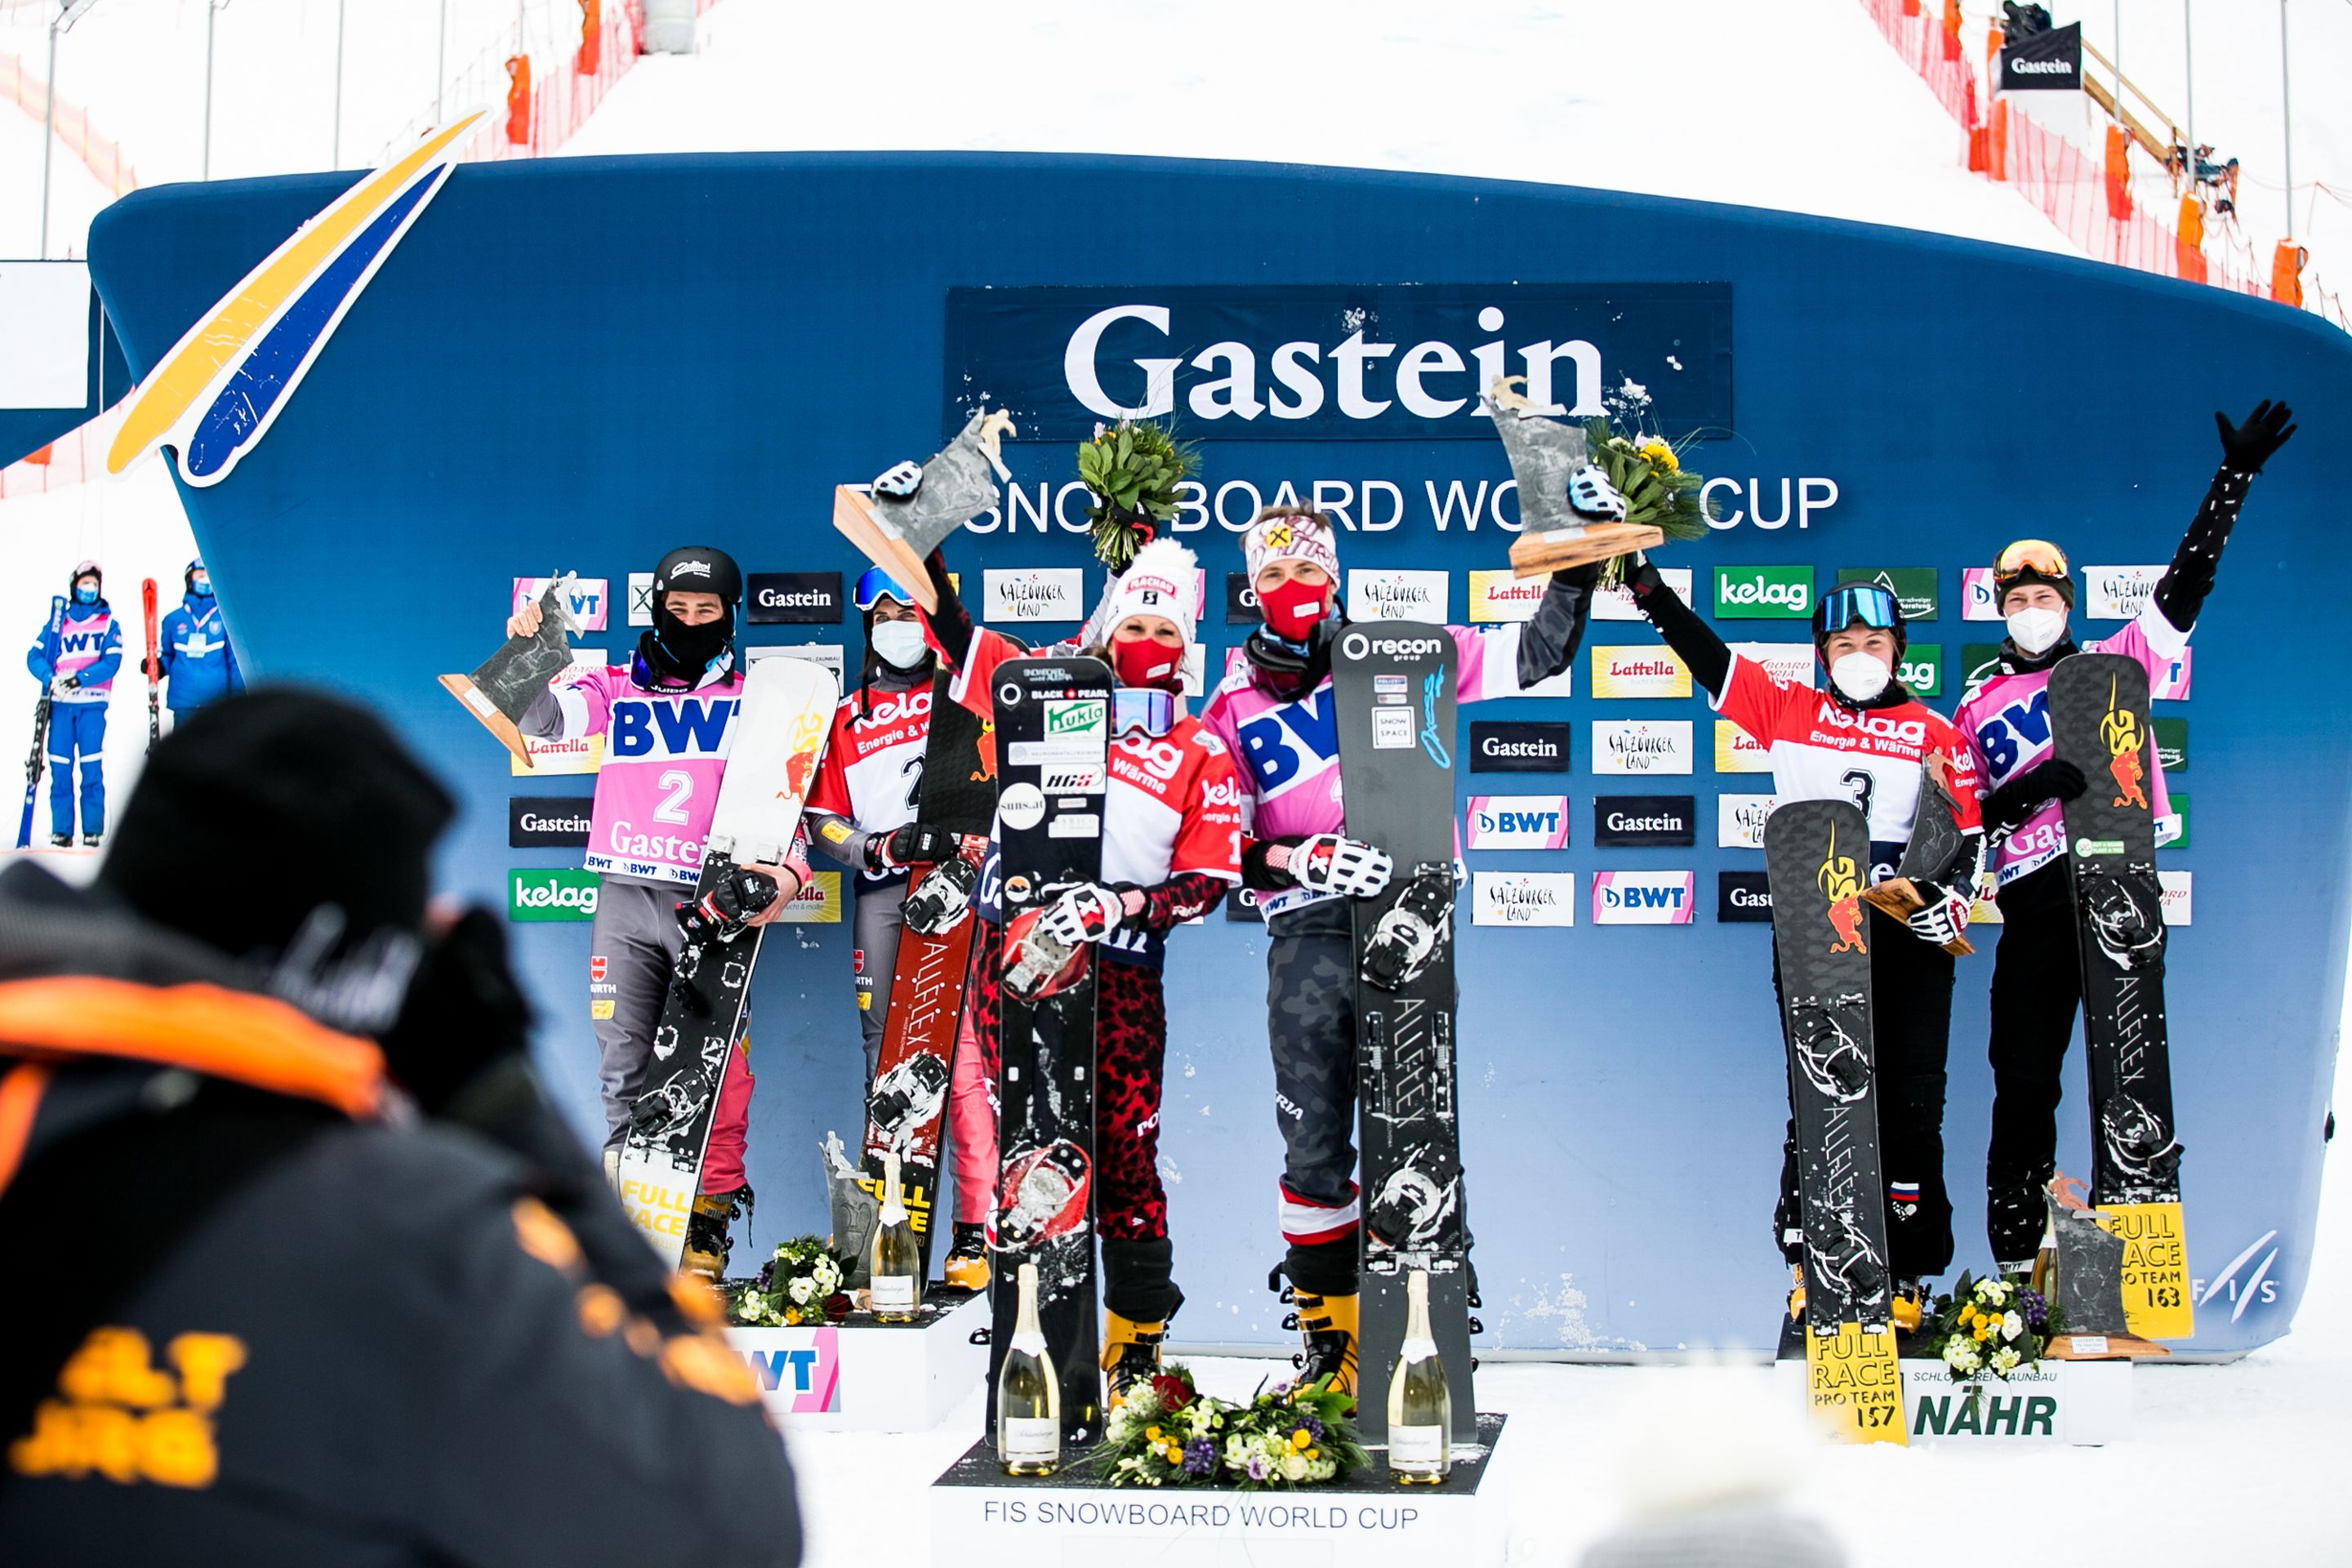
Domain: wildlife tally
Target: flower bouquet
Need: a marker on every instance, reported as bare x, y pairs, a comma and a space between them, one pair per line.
1170, 1434
1136, 471
1989, 1326
800, 1283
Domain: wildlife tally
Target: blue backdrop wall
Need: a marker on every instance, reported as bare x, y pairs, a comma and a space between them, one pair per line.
575, 364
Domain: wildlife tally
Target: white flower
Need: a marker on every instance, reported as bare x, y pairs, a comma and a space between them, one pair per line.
2005, 1359
800, 1290
827, 1276
1993, 1292
1294, 1469
1962, 1356
2012, 1325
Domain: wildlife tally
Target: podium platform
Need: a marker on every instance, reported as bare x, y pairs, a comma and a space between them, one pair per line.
982, 1517
859, 1375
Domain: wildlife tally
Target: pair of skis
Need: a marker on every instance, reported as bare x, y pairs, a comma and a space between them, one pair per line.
1815, 854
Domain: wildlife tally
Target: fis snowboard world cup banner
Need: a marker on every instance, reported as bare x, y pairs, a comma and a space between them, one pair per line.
1345, 374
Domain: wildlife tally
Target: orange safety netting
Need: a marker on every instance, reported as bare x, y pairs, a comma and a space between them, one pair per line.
101, 156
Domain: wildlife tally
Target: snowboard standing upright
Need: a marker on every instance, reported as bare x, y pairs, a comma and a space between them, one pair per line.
1816, 853
957, 791
2099, 721
1053, 731
771, 760
1394, 685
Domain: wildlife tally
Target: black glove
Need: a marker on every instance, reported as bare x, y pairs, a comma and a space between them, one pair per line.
917, 843
1643, 578
464, 1011
2021, 797
2246, 447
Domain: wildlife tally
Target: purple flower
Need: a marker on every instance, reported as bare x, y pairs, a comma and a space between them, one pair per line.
1200, 1457
1258, 1468
2032, 1308
1314, 1428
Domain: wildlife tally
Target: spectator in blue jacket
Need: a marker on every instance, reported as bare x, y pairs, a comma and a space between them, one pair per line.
75, 654
198, 665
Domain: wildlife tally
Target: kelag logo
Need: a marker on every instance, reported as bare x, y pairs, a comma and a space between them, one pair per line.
547, 822
1320, 362
1922, 669
1759, 593
1631, 821
551, 894
776, 597
1518, 748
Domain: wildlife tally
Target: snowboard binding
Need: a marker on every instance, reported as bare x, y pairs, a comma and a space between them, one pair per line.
1045, 1196
655, 1116
938, 903
1037, 966
904, 1097
1834, 1060
1843, 1258
1408, 936
2138, 1145
1409, 1212
726, 910
2126, 932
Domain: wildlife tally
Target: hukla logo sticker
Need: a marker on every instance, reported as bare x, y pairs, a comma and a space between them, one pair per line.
1761, 593
550, 893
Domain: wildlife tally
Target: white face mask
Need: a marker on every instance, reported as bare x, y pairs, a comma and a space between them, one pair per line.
2035, 630
1860, 676
900, 643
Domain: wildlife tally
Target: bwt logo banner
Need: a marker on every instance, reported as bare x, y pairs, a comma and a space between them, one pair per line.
1334, 360
590, 602
1642, 898
1518, 822
799, 1369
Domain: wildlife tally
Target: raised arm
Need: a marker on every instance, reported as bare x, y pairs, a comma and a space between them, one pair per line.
2180, 592
1692, 640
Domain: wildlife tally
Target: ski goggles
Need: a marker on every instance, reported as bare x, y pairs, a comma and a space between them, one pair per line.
1865, 602
2035, 557
1134, 707
876, 586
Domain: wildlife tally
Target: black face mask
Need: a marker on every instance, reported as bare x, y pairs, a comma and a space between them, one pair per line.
678, 652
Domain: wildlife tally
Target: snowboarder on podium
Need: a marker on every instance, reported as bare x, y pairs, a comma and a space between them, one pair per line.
75, 654
296, 1113
1273, 713
1862, 738
192, 656
666, 714
2037, 980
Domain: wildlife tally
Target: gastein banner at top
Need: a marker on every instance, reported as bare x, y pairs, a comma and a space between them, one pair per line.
1322, 362
575, 365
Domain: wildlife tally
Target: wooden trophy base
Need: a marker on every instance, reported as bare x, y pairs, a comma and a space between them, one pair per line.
463, 689
1897, 897
854, 518
1558, 549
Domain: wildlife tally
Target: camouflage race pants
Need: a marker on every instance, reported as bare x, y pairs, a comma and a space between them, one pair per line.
1310, 1024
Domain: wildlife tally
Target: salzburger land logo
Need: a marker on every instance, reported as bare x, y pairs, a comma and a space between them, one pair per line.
1739, 820
1324, 360
1040, 594
1644, 746
1397, 596
1756, 593
1523, 897
2117, 593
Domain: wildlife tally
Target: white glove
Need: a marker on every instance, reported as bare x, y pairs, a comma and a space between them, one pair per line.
1088, 912
59, 685
1327, 863
1944, 919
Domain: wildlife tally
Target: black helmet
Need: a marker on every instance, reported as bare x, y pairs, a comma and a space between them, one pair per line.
698, 569
1863, 599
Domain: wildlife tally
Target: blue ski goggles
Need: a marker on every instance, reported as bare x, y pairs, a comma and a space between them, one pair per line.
1134, 707
1865, 602
876, 586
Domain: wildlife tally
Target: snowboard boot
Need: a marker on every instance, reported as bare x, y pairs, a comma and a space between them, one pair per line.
966, 1264
1130, 1354
1327, 1323
1909, 1307
707, 1240
92, 840
1797, 1293
61, 840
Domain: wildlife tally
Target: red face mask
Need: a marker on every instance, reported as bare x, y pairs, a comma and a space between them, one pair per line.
1292, 607
1141, 661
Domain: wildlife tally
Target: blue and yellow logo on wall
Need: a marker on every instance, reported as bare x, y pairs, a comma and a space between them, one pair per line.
214, 395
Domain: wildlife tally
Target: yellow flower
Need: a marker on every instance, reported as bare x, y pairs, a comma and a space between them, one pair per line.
1300, 1439
1313, 1453
1983, 1331
1660, 455
1152, 1433
1175, 1455
791, 1316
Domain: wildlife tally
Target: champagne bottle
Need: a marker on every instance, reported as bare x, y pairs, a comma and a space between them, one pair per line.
897, 1262
1028, 1393
1421, 1407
